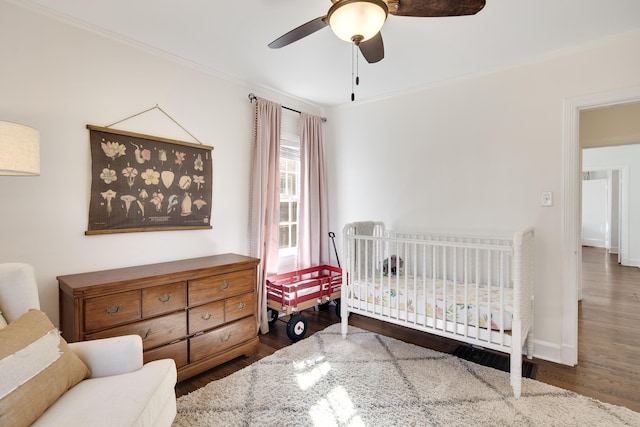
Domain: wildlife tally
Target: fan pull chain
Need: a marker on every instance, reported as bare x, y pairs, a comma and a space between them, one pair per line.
353, 95
354, 65
357, 65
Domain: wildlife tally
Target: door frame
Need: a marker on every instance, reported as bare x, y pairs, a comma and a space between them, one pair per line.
571, 216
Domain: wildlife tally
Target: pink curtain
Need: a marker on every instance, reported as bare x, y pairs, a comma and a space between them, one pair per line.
264, 204
313, 228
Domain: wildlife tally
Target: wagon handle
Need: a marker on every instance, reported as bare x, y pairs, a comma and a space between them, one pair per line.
332, 236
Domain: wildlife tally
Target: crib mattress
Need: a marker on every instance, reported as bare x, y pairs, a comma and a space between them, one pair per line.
439, 299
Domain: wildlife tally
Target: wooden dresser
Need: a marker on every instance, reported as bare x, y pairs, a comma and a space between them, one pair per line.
201, 312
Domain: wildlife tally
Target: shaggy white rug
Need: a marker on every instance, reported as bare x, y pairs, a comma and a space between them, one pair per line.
372, 380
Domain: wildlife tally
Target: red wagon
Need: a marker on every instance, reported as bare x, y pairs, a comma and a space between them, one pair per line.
290, 293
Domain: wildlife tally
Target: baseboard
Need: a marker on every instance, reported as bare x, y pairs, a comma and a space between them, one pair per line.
596, 243
548, 351
630, 262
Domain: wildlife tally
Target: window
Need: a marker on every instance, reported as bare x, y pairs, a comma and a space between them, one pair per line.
289, 195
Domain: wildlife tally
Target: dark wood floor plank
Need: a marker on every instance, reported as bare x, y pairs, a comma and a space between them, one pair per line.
608, 325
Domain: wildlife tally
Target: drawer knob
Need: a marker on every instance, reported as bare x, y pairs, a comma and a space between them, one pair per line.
144, 334
206, 316
224, 285
225, 337
164, 298
113, 309
241, 306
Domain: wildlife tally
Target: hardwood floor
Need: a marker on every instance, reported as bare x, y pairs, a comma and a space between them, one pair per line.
608, 334
609, 337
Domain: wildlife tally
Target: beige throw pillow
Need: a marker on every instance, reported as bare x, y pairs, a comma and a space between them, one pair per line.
36, 367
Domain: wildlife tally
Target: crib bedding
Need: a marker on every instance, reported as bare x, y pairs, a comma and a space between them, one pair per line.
481, 305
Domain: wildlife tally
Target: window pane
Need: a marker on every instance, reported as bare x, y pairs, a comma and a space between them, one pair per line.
284, 237
294, 236
293, 185
291, 165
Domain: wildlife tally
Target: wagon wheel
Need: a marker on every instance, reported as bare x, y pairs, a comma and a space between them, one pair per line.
296, 327
272, 315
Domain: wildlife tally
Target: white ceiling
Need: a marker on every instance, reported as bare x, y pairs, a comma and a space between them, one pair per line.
230, 39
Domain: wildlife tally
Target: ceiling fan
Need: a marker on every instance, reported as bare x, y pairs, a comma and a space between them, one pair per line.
360, 21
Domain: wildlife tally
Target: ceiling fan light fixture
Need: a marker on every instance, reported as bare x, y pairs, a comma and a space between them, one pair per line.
357, 20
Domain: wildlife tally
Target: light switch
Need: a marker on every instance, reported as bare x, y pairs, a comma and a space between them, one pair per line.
547, 199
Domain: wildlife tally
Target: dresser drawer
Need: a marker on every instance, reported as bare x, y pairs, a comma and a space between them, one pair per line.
176, 351
164, 299
154, 332
221, 286
239, 307
110, 310
206, 316
213, 342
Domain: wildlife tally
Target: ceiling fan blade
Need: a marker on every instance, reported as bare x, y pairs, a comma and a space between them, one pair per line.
297, 33
435, 8
373, 49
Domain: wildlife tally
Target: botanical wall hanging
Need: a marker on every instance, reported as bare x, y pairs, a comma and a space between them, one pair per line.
147, 183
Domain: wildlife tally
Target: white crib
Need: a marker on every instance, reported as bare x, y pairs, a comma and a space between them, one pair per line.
473, 289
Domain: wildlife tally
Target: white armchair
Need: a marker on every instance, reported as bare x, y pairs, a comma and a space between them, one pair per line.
121, 390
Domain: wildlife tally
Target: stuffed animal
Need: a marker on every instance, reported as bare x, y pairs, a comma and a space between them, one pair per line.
392, 265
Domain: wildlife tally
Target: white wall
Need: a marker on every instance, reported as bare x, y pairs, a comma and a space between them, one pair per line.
628, 157
594, 212
475, 154
58, 78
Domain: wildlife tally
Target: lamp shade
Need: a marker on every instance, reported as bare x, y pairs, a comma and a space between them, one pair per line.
357, 20
19, 149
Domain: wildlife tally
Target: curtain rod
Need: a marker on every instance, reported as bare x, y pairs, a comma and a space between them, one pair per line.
252, 98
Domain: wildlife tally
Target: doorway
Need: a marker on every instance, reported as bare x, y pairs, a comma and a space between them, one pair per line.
572, 220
